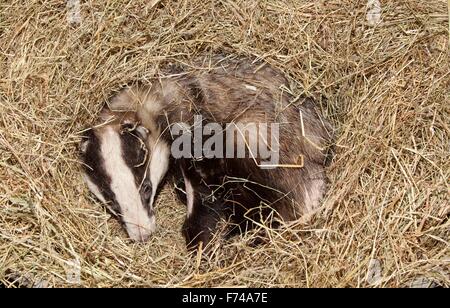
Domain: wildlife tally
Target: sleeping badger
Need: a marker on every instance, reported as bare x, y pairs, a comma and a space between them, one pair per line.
247, 151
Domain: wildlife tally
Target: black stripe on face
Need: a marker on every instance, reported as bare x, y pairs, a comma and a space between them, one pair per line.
93, 164
135, 155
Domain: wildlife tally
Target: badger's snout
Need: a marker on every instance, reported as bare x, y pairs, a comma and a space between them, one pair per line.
141, 230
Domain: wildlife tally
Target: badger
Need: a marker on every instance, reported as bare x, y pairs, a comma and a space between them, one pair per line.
263, 160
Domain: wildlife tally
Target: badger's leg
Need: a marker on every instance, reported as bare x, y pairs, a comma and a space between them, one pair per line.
203, 210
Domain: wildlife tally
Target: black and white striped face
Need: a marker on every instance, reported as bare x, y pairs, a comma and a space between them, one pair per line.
115, 161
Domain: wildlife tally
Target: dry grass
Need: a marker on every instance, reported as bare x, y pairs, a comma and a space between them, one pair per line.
385, 87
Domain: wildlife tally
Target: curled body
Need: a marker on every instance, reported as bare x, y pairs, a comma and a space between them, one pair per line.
243, 190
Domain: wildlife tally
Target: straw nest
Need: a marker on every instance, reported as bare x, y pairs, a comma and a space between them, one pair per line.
383, 80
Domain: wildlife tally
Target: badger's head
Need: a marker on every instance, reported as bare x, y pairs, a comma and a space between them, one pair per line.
123, 166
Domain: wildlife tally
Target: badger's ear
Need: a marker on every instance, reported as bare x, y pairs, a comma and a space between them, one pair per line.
106, 114
132, 126
83, 146
142, 132
85, 140
127, 99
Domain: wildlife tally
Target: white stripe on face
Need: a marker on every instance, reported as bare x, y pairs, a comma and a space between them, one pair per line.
135, 216
94, 189
159, 164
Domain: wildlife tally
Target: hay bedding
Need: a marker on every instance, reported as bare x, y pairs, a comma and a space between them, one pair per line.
385, 86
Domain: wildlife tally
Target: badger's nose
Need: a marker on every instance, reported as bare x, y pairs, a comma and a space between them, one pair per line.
143, 237
139, 232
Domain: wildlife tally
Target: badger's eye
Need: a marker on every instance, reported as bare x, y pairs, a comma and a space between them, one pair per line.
147, 190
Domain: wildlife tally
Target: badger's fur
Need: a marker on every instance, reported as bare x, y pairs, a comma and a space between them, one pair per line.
224, 91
